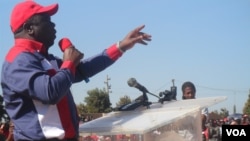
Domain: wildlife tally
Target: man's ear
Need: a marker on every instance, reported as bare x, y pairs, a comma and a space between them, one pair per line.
28, 27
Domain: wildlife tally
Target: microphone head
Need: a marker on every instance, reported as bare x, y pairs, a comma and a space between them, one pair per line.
132, 82
64, 43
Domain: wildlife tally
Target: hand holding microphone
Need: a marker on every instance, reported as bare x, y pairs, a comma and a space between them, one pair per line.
70, 52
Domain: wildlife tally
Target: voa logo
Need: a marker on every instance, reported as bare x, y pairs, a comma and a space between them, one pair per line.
236, 132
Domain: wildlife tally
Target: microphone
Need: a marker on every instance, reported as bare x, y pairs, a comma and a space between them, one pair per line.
133, 83
65, 43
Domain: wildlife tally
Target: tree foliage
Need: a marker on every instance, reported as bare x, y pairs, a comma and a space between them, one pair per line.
81, 109
123, 100
224, 112
218, 115
246, 109
97, 101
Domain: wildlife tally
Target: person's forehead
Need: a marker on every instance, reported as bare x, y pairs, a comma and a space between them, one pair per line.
41, 17
188, 89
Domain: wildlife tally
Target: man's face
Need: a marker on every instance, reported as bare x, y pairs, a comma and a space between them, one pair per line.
44, 30
188, 93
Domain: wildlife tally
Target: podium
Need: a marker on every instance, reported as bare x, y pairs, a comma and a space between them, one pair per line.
177, 120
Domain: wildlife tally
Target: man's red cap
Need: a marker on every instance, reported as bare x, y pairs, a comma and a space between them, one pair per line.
24, 10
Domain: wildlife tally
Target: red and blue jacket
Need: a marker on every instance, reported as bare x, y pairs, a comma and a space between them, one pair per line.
36, 89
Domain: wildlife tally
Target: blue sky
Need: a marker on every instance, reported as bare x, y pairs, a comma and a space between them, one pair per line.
203, 41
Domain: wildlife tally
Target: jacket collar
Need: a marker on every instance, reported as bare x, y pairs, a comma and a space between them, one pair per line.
31, 45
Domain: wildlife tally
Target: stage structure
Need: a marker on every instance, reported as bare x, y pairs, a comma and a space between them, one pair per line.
175, 120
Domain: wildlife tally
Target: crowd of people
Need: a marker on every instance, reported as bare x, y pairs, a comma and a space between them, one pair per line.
6, 131
214, 126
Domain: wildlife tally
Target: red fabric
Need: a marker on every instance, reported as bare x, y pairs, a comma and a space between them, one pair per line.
65, 118
24, 10
70, 65
63, 113
113, 52
206, 133
23, 45
91, 138
6, 134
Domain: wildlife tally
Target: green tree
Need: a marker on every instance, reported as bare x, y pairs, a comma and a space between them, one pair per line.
223, 112
82, 110
217, 115
97, 101
246, 109
123, 100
